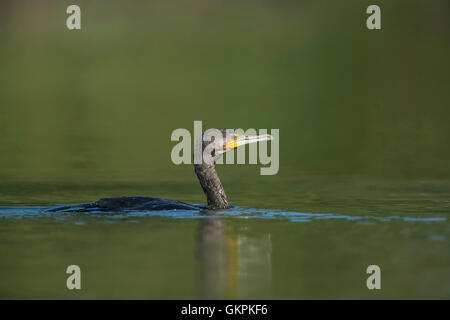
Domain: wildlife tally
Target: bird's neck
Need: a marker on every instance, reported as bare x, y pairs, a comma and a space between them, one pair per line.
212, 187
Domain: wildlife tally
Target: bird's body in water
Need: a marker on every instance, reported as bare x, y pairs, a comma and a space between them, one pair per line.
210, 147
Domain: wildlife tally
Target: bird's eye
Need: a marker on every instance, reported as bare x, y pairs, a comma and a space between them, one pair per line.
233, 137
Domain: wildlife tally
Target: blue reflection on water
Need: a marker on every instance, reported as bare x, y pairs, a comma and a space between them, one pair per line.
236, 212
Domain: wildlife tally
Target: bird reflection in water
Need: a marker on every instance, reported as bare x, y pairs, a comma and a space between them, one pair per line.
231, 264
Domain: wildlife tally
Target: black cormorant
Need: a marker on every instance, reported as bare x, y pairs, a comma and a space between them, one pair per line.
208, 149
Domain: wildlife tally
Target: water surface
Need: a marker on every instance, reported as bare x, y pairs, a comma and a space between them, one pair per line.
318, 245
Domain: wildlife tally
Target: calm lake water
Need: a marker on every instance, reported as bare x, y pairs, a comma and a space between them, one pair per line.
281, 242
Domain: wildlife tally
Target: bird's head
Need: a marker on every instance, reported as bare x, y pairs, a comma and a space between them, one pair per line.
215, 142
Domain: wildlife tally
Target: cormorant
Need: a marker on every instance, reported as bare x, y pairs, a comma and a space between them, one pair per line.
208, 149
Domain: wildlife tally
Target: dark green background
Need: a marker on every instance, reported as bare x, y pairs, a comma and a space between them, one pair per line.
102, 102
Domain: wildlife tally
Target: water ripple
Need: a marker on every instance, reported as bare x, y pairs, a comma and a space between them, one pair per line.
36, 212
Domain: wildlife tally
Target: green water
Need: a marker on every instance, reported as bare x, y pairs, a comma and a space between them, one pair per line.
364, 159
294, 250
